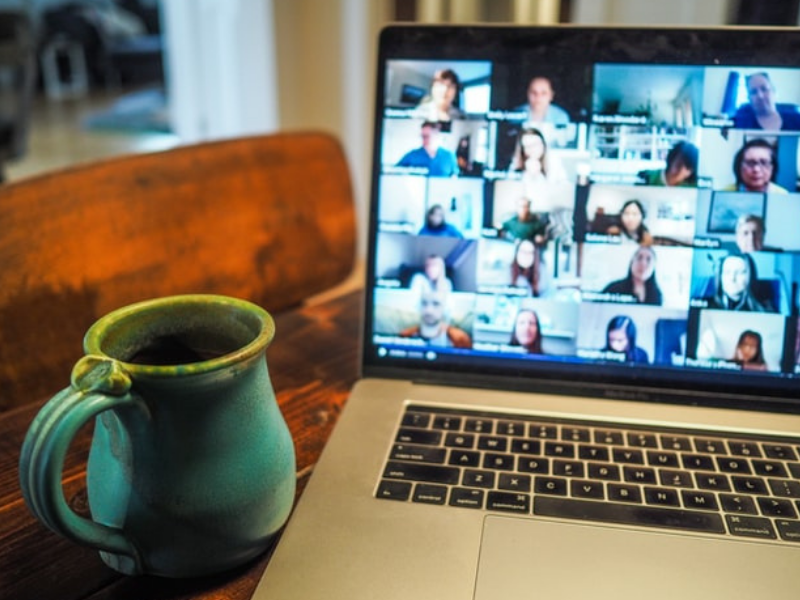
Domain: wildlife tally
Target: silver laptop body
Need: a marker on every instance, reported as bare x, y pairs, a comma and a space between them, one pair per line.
523, 312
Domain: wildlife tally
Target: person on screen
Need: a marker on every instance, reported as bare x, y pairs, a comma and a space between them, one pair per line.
749, 352
755, 167
733, 285
680, 168
631, 225
433, 327
526, 268
433, 277
436, 225
430, 155
525, 225
749, 233
540, 107
527, 332
621, 339
640, 282
438, 104
763, 112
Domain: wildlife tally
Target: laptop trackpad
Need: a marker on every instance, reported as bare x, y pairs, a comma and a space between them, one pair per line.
523, 558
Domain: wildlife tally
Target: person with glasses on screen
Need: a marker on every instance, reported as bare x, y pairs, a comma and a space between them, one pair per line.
755, 167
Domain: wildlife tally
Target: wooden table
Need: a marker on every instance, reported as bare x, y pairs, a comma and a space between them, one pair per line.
313, 363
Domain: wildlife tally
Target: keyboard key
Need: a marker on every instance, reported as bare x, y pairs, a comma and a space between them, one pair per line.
628, 514
699, 500
779, 451
479, 426
769, 468
628, 456
712, 481
550, 486
709, 446
733, 465
493, 444
784, 488
514, 482
639, 474
419, 436
662, 459
748, 449
447, 423
467, 498
788, 530
575, 434
671, 478
499, 462
464, 458
508, 502
749, 485
430, 494
459, 440
698, 462
394, 490
775, 507
602, 471
426, 454
583, 488
754, 527
559, 449
593, 452
642, 440
514, 428
521, 446
543, 432
481, 479
568, 468
735, 503
794, 469
416, 419
533, 465
676, 443
621, 492
421, 472
661, 497
608, 437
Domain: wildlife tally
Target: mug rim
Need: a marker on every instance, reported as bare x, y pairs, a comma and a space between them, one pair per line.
98, 333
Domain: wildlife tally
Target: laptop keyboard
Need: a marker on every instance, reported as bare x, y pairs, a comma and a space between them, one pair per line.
675, 479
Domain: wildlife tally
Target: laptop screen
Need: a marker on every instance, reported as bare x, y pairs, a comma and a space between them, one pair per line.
617, 207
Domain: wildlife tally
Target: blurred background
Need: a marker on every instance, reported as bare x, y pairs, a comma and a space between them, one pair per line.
86, 79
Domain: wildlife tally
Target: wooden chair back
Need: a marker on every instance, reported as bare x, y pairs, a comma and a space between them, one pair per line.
268, 218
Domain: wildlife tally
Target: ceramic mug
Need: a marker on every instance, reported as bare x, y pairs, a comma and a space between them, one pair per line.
192, 468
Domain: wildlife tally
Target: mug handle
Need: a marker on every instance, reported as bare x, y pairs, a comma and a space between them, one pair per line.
98, 384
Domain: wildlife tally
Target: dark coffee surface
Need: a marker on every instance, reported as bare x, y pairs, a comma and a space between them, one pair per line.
172, 350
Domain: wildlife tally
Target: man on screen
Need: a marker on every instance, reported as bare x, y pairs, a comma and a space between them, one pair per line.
439, 161
540, 105
433, 326
525, 225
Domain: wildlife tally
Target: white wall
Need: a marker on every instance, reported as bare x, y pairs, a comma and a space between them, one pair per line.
670, 12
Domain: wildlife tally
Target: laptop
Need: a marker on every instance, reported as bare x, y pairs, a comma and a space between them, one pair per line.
581, 339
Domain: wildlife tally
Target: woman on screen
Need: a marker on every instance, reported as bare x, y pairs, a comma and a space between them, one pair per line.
437, 225
527, 332
526, 268
755, 167
733, 285
631, 225
749, 352
438, 105
640, 281
621, 339
433, 278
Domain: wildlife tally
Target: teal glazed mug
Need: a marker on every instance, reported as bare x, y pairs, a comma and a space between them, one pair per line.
191, 470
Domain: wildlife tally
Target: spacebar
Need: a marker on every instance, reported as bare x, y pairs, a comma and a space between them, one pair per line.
628, 514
